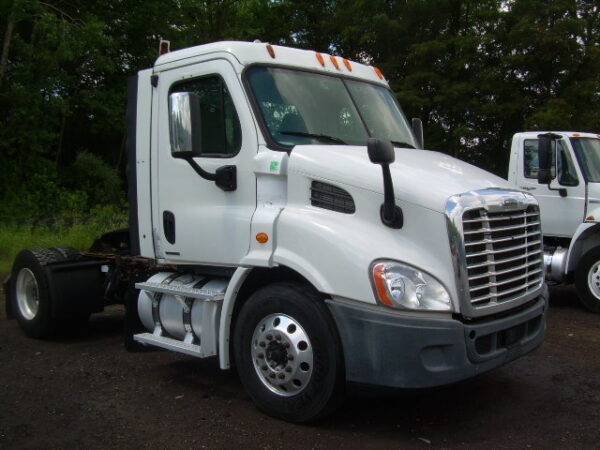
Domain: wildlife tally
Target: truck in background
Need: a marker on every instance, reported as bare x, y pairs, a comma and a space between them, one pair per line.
284, 219
562, 170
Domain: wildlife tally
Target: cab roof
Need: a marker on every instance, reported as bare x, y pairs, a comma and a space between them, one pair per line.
533, 134
248, 53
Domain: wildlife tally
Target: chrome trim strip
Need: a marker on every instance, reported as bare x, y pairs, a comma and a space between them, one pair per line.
494, 200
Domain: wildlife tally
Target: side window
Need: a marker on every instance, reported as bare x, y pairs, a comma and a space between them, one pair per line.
220, 125
567, 175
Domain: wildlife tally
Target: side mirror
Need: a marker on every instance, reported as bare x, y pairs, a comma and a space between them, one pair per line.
417, 128
544, 159
382, 153
186, 138
184, 124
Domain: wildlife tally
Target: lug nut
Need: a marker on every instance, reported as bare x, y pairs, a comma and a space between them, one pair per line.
288, 369
264, 367
262, 344
286, 344
278, 337
290, 357
269, 336
261, 355
271, 375
281, 376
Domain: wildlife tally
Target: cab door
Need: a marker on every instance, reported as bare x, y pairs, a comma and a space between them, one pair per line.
560, 215
194, 220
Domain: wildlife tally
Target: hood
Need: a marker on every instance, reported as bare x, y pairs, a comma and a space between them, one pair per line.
421, 177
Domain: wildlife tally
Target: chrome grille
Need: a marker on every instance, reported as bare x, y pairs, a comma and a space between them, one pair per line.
503, 254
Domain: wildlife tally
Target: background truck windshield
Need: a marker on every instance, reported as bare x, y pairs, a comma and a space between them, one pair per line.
308, 108
588, 154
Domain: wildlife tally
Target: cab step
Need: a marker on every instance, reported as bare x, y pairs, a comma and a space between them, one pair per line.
182, 291
169, 344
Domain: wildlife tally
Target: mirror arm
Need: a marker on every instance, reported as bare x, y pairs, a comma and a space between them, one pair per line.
225, 176
561, 191
391, 214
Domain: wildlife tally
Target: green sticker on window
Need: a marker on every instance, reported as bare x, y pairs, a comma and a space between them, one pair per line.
274, 166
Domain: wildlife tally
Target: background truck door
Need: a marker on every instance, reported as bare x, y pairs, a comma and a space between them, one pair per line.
195, 221
560, 215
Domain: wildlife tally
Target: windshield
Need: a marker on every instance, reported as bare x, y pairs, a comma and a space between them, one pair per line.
588, 154
308, 108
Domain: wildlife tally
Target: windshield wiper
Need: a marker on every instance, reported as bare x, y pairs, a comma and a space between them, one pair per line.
314, 135
402, 144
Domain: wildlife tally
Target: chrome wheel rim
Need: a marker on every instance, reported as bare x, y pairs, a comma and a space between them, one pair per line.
282, 354
28, 296
594, 279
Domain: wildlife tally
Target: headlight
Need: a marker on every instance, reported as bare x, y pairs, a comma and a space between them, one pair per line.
400, 286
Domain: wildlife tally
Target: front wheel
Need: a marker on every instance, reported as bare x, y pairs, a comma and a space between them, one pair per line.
587, 280
287, 353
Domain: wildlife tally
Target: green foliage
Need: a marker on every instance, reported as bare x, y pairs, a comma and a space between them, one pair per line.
476, 72
77, 234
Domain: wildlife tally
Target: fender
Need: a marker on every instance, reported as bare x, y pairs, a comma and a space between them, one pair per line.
586, 236
233, 288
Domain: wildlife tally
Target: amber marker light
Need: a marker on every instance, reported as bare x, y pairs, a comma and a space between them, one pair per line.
334, 61
271, 50
379, 279
590, 219
378, 72
576, 134
347, 64
320, 59
262, 238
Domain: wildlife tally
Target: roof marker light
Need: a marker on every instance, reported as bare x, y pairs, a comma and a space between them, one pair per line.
271, 50
334, 61
320, 59
576, 134
378, 72
347, 64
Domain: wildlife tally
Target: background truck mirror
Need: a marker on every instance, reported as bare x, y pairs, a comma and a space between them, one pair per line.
184, 123
417, 128
544, 159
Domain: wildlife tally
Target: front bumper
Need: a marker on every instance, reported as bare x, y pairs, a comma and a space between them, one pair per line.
389, 349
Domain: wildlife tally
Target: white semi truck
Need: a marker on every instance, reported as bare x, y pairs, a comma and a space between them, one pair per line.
284, 219
562, 170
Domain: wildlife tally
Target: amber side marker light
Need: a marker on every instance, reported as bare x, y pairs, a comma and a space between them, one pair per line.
576, 134
379, 278
320, 59
271, 50
378, 72
590, 219
334, 61
262, 238
347, 64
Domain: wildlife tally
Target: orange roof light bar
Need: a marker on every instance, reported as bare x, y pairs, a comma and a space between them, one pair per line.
271, 50
576, 134
378, 72
347, 64
320, 59
334, 61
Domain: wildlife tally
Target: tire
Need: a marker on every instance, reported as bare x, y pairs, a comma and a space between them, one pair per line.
587, 280
288, 327
29, 292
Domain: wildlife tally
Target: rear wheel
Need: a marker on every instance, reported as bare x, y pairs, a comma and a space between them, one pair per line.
29, 292
287, 353
587, 280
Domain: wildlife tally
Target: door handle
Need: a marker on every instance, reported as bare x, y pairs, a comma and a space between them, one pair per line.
169, 226
528, 188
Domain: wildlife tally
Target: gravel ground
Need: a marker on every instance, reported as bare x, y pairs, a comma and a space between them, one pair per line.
85, 391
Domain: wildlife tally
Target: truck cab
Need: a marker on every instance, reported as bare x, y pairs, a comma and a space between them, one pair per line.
286, 219
569, 204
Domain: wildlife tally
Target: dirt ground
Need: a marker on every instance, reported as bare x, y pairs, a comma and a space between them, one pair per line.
85, 391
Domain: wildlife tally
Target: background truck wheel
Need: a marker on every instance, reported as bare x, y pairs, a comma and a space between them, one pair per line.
587, 280
288, 354
29, 293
